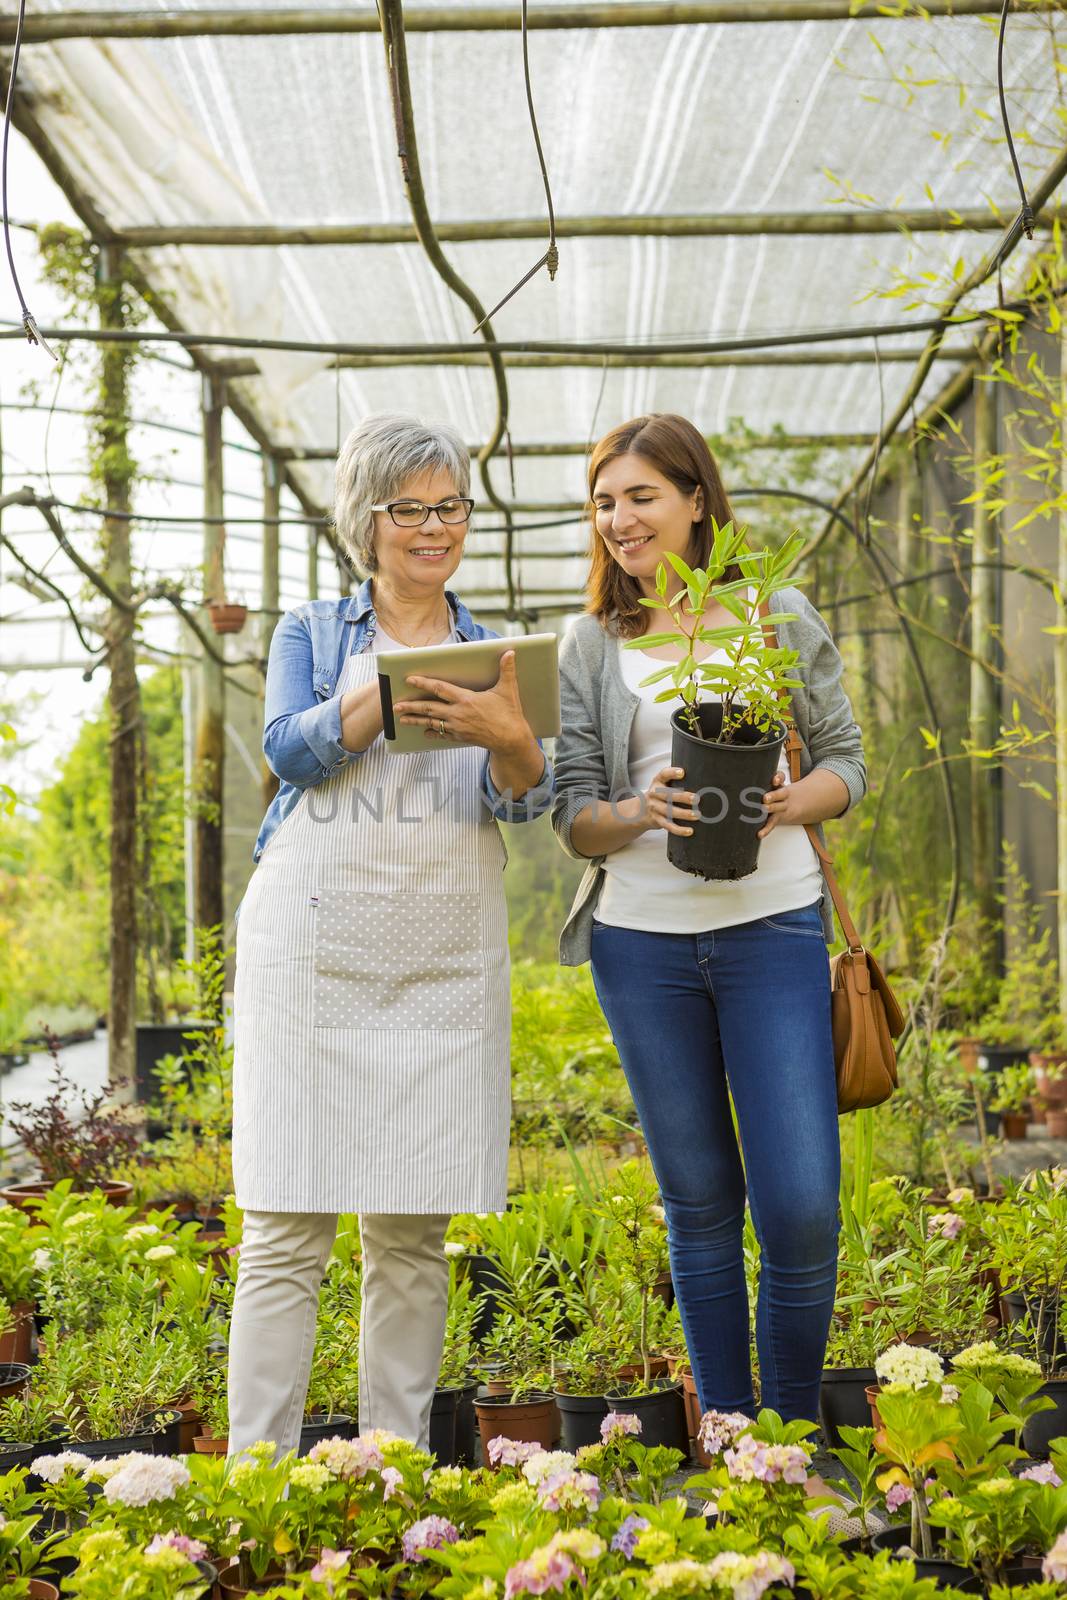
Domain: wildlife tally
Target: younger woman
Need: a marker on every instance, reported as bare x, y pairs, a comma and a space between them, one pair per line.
718, 989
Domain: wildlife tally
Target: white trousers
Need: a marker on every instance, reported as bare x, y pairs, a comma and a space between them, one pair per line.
272, 1330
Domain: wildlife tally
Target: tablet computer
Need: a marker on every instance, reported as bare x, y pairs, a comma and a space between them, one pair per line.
473, 664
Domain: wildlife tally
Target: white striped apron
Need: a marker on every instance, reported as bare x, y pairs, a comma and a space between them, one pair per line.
372, 1003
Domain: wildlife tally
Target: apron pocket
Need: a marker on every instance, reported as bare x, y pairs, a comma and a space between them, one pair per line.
398, 961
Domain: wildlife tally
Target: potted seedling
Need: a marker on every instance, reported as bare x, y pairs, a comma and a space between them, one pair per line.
1011, 1099
729, 731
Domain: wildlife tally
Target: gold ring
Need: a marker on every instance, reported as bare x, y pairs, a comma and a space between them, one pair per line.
442, 730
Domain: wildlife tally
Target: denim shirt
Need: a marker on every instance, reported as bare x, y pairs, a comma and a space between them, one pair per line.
302, 718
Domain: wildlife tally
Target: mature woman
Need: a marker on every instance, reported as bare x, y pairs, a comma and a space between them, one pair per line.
712, 990
372, 1003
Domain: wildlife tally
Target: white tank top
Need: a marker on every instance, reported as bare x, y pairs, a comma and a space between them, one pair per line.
641, 887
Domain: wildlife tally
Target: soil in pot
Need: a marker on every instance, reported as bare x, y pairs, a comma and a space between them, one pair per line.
1039, 1431
580, 1416
843, 1401
14, 1376
662, 1414
727, 778
443, 1425
895, 1537
320, 1425
535, 1419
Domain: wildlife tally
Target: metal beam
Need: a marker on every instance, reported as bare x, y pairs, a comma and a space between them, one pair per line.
756, 441
41, 29
725, 224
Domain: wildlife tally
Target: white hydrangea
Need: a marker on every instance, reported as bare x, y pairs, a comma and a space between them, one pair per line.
42, 1260
52, 1468
78, 1218
546, 1463
160, 1252
141, 1479
911, 1366
141, 1230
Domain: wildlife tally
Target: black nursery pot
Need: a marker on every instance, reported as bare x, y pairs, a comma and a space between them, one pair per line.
1018, 1304
1039, 1431
946, 1573
662, 1414
580, 1416
843, 1401
730, 780
338, 1425
1015, 1577
443, 1425
466, 1436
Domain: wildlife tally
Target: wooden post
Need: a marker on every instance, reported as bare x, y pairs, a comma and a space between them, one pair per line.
210, 745
1059, 650
124, 694
269, 604
984, 712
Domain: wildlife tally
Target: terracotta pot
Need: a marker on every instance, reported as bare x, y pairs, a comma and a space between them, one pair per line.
1056, 1122
188, 1427
692, 1416
498, 1386
536, 1420
226, 618
206, 1444
871, 1391
19, 1194
1013, 1124
15, 1344
967, 1050
657, 1368
41, 1589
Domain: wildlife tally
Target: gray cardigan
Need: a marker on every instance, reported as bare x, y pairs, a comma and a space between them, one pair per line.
597, 710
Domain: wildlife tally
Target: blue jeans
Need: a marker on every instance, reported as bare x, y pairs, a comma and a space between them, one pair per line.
744, 1009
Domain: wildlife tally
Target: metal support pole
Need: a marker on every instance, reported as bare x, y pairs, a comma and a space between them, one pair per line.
313, 563
984, 712
269, 604
1059, 650
211, 712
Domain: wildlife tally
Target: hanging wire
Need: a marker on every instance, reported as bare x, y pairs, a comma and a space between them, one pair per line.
29, 322
550, 259
1026, 216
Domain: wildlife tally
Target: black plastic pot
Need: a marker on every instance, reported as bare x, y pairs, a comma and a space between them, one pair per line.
1039, 1431
1017, 1577
338, 1425
14, 1376
580, 1416
484, 1280
154, 1041
946, 1573
729, 781
19, 1455
466, 1444
147, 1443
843, 1401
443, 1425
1018, 1304
166, 1425
993, 1058
662, 1414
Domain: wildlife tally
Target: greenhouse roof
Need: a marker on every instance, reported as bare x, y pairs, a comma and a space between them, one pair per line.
722, 185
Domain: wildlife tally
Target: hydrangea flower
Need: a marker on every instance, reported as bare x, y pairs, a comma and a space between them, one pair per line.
52, 1468
720, 1428
453, 1247
897, 1495
625, 1540
1042, 1472
514, 1496
987, 1355
165, 1558
684, 1577
553, 1565
98, 1546
348, 1458
42, 1260
505, 1452
430, 1534
331, 1564
1054, 1566
911, 1366
392, 1478
749, 1576
750, 1460
160, 1252
141, 1230
569, 1491
944, 1224
959, 1197
545, 1464
78, 1218
618, 1425
142, 1479
192, 1549
313, 1475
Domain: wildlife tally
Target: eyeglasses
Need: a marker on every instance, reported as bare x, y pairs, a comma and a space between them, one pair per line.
412, 513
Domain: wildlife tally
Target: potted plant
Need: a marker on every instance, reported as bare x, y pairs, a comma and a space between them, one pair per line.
453, 1424
227, 616
1028, 996
209, 1397
1011, 1098
19, 1242
20, 1556
729, 746
71, 1134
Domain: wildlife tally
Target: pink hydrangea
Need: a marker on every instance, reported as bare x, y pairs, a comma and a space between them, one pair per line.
949, 1224
348, 1458
330, 1565
618, 1425
569, 1491
430, 1534
546, 1569
751, 1460
190, 1548
1043, 1472
749, 1576
720, 1428
504, 1452
392, 1478
897, 1495
1054, 1566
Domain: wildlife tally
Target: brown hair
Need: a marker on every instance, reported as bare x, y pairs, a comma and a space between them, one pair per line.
680, 452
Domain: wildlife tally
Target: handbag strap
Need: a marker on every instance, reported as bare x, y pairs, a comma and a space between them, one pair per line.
792, 749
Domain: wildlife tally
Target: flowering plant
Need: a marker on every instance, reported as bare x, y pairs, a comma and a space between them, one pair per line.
20, 1554
759, 1472
109, 1566
64, 1485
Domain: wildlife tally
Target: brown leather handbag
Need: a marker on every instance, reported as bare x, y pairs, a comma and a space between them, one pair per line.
865, 1014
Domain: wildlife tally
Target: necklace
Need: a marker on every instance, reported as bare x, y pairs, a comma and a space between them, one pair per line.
415, 644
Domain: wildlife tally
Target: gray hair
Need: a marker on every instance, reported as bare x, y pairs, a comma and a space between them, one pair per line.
380, 455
